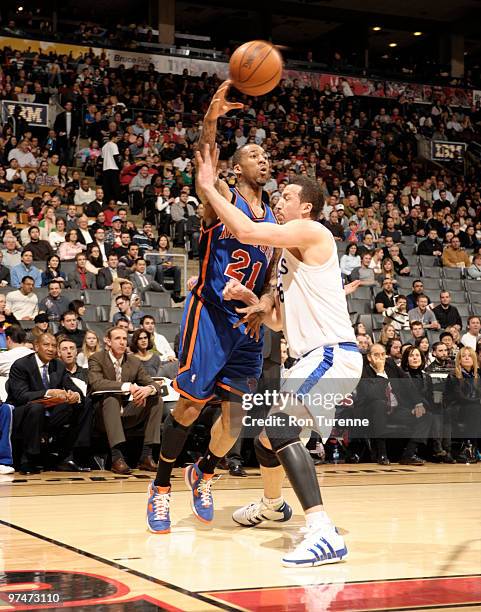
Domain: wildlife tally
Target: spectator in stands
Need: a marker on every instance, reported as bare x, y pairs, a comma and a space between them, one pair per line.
99, 241
180, 211
141, 346
350, 260
192, 231
142, 281
445, 313
71, 218
94, 259
69, 249
398, 315
386, 395
41, 326
393, 350
423, 345
111, 169
36, 377
23, 302
388, 334
58, 235
385, 298
54, 304
84, 195
41, 249
376, 261
431, 245
106, 276
363, 343
454, 256
125, 242
53, 271
165, 268
126, 311
93, 208
67, 353
69, 328
20, 203
128, 261
91, 345
17, 347
145, 239
401, 265
169, 364
471, 337
364, 273
439, 370
474, 270
23, 155
111, 369
81, 278
11, 254
67, 127
137, 186
412, 298
6, 316
463, 398
4, 273
423, 314
417, 330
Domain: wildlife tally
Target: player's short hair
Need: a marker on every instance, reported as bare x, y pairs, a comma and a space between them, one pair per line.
16, 334
237, 157
310, 192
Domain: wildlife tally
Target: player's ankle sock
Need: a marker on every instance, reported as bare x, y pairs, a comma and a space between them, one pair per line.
318, 518
208, 462
116, 453
273, 503
164, 472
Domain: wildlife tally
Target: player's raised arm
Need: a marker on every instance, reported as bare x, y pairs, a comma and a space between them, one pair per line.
219, 106
297, 233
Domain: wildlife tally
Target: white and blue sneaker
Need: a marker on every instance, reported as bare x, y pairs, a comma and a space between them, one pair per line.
158, 513
321, 544
258, 512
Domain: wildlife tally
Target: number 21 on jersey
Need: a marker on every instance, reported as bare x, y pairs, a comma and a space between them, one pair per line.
243, 262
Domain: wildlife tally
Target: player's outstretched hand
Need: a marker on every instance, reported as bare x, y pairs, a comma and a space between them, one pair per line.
253, 317
219, 105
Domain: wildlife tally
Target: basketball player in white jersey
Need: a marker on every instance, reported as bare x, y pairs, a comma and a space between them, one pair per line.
311, 309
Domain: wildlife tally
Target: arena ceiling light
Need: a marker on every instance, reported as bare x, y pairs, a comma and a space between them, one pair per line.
20, 8
393, 44
376, 28
417, 33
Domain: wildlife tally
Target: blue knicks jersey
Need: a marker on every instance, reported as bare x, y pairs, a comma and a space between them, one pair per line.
223, 257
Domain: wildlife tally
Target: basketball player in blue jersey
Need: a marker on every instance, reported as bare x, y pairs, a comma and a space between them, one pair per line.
311, 309
214, 356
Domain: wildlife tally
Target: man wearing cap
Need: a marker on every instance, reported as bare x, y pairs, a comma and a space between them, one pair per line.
113, 236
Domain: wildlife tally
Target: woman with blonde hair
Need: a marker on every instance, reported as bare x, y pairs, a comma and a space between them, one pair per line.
463, 401
91, 345
388, 333
376, 261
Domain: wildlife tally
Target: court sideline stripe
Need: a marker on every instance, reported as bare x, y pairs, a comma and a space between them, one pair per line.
119, 566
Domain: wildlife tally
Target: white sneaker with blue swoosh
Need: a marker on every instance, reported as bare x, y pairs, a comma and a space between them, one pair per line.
321, 544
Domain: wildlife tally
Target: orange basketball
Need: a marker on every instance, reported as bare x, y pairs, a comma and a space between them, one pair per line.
255, 67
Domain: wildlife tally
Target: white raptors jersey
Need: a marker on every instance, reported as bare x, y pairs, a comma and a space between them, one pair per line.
313, 304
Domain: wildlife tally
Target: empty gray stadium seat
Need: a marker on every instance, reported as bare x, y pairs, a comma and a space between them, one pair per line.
464, 310
172, 315
428, 260
91, 313
359, 306
97, 297
363, 293
169, 330
404, 282
476, 308
431, 272
159, 300
68, 267
431, 283
455, 273
377, 321
452, 284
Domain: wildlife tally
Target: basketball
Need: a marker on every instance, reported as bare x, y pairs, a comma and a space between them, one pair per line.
256, 67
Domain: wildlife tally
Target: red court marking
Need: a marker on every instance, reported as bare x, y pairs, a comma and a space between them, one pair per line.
359, 597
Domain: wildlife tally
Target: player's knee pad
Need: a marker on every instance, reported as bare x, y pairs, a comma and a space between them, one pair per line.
174, 436
265, 456
300, 470
280, 431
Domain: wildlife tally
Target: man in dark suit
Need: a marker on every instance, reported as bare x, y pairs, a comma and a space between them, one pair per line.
4, 273
113, 370
106, 276
67, 127
81, 278
142, 281
32, 380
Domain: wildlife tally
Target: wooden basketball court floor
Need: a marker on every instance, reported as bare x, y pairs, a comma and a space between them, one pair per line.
80, 542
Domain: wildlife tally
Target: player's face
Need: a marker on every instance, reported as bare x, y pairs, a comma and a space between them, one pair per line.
289, 205
254, 165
